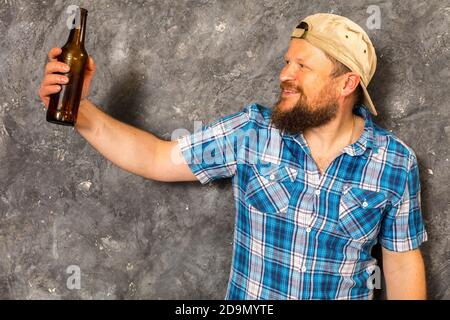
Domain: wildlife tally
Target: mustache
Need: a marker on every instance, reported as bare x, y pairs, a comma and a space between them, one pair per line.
290, 87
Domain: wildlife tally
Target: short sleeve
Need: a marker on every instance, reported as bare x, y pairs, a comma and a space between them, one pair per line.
211, 152
402, 227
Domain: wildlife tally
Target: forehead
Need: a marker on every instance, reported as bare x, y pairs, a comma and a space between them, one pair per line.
302, 49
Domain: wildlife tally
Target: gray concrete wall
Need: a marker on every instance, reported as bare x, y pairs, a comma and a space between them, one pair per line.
161, 66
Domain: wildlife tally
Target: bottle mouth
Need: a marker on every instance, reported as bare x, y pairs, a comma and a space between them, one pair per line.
76, 23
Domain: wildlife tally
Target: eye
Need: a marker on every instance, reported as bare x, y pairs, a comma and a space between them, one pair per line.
301, 65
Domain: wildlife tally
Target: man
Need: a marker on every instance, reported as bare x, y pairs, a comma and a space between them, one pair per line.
316, 182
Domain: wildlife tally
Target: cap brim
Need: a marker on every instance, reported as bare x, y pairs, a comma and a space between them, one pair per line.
298, 33
367, 100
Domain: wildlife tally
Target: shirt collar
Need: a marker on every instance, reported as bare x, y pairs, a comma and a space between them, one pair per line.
366, 140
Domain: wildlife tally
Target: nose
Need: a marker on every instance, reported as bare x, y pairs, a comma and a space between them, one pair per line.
287, 73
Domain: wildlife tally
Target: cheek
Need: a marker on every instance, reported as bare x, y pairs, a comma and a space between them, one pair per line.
310, 85
318, 90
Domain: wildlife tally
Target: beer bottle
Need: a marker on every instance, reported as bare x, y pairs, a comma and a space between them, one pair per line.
63, 106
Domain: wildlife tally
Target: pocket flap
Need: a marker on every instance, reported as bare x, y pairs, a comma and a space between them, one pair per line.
276, 172
364, 198
360, 212
269, 187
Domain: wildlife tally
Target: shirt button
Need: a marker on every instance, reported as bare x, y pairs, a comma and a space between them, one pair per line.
317, 192
272, 177
308, 230
365, 204
303, 269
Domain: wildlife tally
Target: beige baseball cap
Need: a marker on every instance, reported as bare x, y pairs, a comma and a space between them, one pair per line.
345, 41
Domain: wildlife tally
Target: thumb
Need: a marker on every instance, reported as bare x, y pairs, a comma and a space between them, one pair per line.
90, 65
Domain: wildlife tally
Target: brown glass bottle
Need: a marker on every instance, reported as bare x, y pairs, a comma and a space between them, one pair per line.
63, 106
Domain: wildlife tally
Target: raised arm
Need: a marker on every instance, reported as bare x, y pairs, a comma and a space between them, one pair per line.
129, 148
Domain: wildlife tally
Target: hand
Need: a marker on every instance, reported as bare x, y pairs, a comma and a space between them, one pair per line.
52, 81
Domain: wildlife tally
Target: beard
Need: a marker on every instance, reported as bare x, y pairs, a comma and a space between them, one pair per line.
305, 114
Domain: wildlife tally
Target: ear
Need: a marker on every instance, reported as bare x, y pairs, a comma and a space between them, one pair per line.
350, 83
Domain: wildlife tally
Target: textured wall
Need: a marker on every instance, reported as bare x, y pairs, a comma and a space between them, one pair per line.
161, 66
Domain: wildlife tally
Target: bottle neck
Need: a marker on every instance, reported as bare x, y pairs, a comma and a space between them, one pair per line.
77, 34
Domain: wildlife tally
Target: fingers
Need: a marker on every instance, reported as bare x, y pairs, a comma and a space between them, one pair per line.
56, 66
51, 84
54, 76
51, 79
46, 91
53, 53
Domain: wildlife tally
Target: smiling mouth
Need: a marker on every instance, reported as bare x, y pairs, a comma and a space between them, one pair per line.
288, 93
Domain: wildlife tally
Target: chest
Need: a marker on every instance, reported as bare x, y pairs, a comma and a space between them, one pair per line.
281, 200
324, 159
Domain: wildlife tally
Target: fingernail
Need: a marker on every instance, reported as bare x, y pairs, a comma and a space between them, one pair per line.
66, 68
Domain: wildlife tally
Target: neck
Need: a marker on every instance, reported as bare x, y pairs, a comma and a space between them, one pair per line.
336, 133
77, 34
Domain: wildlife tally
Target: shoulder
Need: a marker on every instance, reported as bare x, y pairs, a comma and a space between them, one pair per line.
397, 150
397, 162
252, 116
258, 114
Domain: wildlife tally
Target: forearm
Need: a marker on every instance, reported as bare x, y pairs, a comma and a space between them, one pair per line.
127, 147
405, 279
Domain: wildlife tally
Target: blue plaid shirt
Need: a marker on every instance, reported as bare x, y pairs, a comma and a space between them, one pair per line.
299, 234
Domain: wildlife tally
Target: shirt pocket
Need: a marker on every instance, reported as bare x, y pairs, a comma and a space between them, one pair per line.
360, 213
269, 187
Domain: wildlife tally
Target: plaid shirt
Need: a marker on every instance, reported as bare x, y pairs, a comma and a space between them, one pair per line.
299, 234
